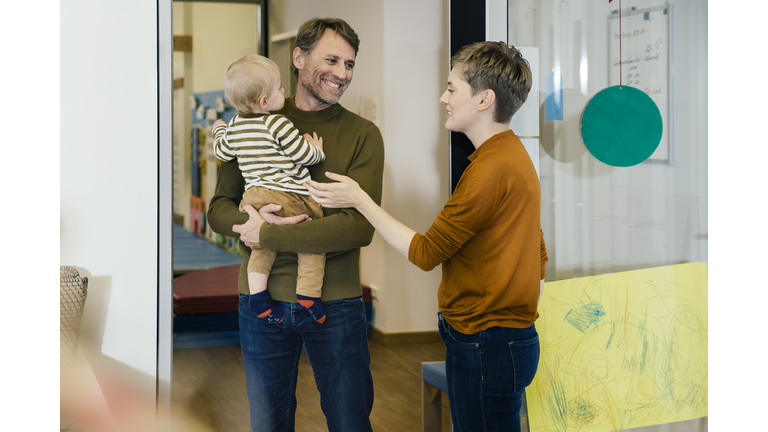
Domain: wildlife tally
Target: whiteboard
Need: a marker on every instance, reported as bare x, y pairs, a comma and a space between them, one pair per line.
645, 62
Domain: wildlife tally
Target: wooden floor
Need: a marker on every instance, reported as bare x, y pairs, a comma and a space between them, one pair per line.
209, 389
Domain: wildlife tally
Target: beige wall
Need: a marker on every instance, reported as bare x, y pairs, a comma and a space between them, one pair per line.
221, 33
402, 61
416, 177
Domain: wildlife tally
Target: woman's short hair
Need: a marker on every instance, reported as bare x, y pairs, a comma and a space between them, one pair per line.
313, 29
248, 79
498, 67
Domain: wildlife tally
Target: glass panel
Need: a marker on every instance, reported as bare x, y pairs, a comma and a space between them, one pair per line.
597, 218
620, 349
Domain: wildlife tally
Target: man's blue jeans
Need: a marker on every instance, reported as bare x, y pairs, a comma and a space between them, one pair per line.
337, 351
487, 374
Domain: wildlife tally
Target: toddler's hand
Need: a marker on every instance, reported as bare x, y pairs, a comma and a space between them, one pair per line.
217, 123
314, 140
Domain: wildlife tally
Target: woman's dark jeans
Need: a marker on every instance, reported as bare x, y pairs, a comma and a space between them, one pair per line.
487, 374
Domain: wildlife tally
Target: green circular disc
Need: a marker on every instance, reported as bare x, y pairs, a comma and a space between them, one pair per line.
621, 126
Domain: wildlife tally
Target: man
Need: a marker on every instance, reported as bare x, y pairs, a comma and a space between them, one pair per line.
323, 60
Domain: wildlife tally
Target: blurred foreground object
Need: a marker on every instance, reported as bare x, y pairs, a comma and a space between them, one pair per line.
97, 392
100, 394
72, 293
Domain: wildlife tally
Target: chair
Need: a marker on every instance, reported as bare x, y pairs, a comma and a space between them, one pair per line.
433, 386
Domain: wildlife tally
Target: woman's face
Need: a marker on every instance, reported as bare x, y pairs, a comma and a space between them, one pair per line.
460, 103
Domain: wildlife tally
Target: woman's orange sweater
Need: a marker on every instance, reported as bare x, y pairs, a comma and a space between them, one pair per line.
489, 240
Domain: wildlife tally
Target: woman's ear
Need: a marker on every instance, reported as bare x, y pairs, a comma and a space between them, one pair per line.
487, 100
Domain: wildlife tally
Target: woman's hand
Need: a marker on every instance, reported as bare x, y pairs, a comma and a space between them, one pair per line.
345, 193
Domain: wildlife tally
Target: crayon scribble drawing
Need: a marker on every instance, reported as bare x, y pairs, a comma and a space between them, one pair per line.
621, 350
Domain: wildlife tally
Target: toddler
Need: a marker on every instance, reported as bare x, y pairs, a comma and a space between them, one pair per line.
273, 157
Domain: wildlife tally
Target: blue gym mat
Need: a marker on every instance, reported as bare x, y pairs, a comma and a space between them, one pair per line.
190, 340
192, 252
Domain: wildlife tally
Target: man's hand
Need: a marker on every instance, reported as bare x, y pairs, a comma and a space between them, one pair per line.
249, 231
268, 211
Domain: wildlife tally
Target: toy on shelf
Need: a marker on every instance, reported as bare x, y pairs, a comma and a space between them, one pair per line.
196, 210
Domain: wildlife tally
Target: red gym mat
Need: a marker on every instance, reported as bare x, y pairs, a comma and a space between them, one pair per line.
207, 291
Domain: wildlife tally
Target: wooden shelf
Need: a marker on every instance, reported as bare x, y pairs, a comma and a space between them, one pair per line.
182, 43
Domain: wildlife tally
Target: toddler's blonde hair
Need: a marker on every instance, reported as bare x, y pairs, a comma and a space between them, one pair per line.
248, 79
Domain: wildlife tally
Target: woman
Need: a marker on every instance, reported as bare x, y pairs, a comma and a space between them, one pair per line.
488, 239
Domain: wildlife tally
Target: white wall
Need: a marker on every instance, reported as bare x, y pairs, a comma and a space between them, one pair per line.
402, 61
109, 186
416, 173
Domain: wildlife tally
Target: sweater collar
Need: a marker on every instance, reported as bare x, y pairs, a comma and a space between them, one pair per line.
294, 113
490, 143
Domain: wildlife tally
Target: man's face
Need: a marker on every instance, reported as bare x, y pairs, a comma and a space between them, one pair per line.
326, 71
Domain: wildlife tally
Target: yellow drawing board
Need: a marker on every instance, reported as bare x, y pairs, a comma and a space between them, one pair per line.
621, 350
